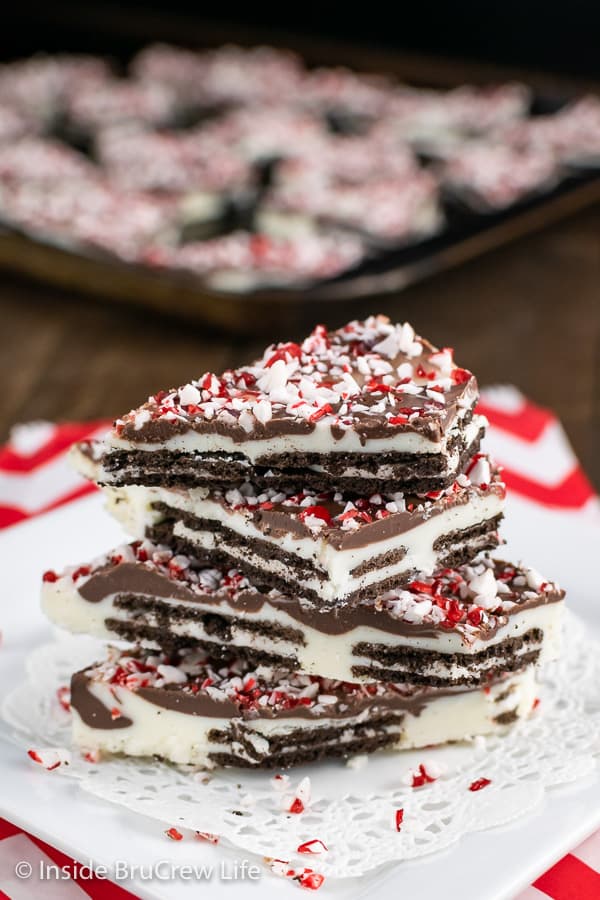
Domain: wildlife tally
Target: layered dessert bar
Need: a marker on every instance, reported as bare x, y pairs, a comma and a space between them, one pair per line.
189, 710
461, 626
328, 547
367, 407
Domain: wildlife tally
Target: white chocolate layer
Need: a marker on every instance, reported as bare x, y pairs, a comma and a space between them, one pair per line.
183, 738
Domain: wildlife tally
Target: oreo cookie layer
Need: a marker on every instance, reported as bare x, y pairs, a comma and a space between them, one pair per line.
351, 472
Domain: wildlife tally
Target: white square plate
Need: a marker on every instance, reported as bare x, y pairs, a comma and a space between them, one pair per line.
489, 865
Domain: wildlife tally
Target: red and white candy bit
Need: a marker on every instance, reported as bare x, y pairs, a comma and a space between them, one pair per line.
174, 835
280, 782
50, 758
309, 879
301, 797
422, 776
479, 784
306, 878
63, 695
207, 836
92, 756
399, 819
316, 847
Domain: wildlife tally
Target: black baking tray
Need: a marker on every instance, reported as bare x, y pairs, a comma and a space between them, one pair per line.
465, 235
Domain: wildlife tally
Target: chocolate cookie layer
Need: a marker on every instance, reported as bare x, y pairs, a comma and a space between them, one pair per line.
351, 472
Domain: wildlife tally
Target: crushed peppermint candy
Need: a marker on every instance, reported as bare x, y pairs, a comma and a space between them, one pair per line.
301, 798
421, 777
329, 510
306, 878
364, 373
479, 784
316, 847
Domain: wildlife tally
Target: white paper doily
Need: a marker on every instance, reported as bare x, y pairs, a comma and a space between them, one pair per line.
352, 812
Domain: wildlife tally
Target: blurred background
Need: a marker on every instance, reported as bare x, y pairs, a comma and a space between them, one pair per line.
516, 290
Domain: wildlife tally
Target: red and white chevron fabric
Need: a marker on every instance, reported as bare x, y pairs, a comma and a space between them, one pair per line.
539, 466
531, 445
35, 476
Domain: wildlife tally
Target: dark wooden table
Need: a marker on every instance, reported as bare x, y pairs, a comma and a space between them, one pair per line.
528, 314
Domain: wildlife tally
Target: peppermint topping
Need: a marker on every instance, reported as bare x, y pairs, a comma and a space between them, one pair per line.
204, 581
330, 510
50, 758
364, 374
470, 599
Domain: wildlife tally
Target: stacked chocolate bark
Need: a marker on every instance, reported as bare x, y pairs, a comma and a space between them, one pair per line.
310, 572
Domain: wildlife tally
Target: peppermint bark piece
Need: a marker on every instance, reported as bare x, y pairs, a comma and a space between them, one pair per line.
189, 710
366, 408
461, 626
329, 547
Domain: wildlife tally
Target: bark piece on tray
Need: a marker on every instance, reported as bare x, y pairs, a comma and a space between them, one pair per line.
387, 212
242, 261
488, 177
461, 626
369, 406
189, 710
